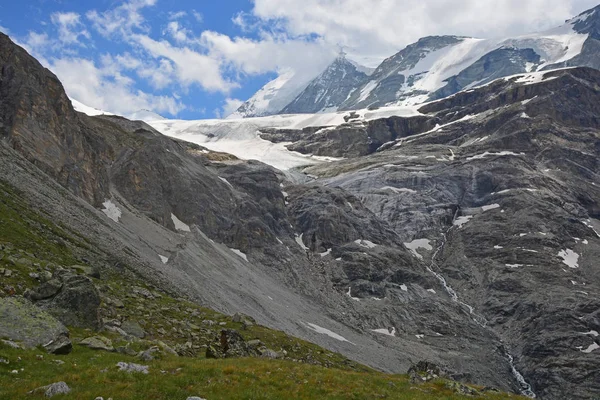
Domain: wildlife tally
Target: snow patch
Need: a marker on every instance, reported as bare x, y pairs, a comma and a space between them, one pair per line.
239, 253
349, 293
226, 182
404, 287
164, 259
490, 207
179, 225
328, 252
460, 221
301, 242
327, 332
570, 258
592, 347
111, 210
418, 244
365, 243
384, 331
499, 154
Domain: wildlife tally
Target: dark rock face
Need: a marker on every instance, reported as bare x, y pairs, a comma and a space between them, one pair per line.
351, 139
328, 90
39, 121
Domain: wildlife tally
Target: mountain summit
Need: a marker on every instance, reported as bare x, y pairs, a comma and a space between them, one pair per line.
331, 88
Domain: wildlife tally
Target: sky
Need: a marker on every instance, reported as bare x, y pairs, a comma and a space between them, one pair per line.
201, 59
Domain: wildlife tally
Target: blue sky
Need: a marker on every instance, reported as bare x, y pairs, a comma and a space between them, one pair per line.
201, 59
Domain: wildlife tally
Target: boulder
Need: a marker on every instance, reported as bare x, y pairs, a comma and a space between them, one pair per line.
52, 389
134, 329
76, 303
228, 344
61, 345
424, 371
45, 291
131, 367
22, 321
98, 343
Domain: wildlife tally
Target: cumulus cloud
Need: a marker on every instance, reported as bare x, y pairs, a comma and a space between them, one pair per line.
177, 32
69, 27
122, 19
381, 27
190, 67
105, 88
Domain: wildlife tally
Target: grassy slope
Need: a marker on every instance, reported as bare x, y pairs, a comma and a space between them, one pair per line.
26, 234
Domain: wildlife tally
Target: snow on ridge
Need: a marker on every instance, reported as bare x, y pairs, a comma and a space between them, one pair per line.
488, 154
91, 111
490, 207
111, 210
240, 253
179, 225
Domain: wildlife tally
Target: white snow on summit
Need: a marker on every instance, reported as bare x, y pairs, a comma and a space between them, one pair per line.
274, 96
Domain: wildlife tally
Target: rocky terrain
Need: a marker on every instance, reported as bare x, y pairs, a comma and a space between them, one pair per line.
466, 236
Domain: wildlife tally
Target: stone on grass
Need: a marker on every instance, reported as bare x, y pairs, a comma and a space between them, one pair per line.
131, 367
52, 389
98, 343
60, 345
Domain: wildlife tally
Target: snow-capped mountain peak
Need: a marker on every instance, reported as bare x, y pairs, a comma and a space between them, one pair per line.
274, 96
332, 87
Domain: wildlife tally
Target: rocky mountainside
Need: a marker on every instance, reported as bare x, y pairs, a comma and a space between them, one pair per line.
329, 89
466, 235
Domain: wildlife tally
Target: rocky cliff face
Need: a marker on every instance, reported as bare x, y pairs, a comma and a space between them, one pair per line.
466, 236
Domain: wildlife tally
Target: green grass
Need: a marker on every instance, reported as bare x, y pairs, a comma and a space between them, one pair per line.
94, 373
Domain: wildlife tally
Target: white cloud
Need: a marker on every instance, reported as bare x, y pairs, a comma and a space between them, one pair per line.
229, 106
198, 16
35, 42
4, 30
190, 67
106, 89
173, 15
69, 27
268, 54
382, 27
121, 19
177, 32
